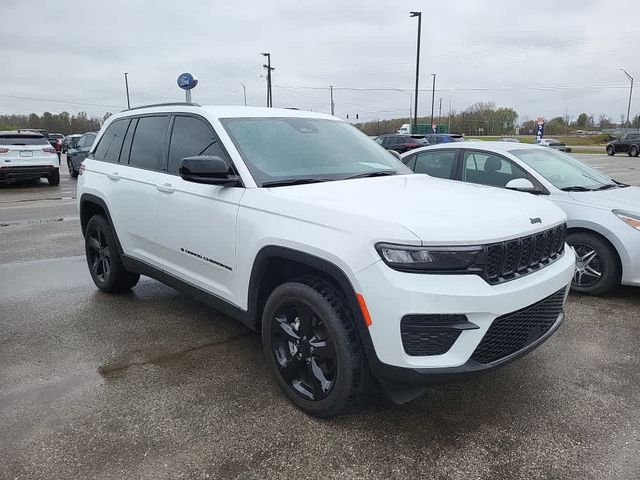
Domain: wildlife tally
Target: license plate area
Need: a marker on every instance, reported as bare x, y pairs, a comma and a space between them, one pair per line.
26, 154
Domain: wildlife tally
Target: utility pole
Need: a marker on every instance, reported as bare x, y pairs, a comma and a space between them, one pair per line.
126, 86
333, 105
269, 70
433, 95
415, 101
244, 91
440, 111
630, 93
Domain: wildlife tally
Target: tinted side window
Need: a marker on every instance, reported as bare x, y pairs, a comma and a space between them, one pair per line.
128, 139
190, 137
146, 149
489, 169
439, 164
111, 142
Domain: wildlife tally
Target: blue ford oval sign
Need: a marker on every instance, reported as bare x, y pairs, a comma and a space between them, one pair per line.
186, 81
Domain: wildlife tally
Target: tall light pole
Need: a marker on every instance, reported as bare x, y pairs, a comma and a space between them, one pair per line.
333, 105
630, 93
269, 70
244, 92
126, 86
433, 95
415, 101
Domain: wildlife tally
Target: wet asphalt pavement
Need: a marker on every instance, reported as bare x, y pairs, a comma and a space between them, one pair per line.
152, 384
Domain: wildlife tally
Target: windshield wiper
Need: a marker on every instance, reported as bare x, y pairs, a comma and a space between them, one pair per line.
577, 188
379, 173
292, 181
607, 186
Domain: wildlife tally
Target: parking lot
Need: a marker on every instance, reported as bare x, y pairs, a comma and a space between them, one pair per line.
153, 384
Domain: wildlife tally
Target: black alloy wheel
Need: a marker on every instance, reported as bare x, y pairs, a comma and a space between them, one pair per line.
303, 351
312, 347
99, 255
103, 258
611, 151
634, 151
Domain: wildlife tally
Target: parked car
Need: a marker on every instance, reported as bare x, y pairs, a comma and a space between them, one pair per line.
401, 143
76, 155
27, 155
552, 143
299, 226
603, 214
436, 138
628, 143
70, 141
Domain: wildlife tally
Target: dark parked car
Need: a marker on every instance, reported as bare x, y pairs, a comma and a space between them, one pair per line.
70, 141
628, 143
76, 155
401, 143
436, 138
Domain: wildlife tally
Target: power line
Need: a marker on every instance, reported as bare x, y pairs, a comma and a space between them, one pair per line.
85, 104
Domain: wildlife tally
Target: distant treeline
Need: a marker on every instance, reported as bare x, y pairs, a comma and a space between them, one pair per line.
487, 119
63, 122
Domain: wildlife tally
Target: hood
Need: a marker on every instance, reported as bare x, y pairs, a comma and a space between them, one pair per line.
434, 210
627, 198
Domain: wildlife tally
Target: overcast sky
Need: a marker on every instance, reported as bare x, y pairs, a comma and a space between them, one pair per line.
542, 58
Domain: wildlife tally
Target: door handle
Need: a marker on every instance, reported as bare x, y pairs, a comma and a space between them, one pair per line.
165, 188
114, 176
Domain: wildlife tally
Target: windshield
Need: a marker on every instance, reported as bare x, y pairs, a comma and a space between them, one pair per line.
562, 170
289, 148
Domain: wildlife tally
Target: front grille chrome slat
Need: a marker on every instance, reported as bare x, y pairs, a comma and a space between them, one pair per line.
515, 258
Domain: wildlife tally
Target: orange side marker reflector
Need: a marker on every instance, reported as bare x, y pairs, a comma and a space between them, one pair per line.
364, 310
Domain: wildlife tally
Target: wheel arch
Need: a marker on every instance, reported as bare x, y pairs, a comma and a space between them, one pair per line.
602, 237
91, 205
275, 265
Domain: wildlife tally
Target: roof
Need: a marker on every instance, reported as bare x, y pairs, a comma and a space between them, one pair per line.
479, 144
228, 111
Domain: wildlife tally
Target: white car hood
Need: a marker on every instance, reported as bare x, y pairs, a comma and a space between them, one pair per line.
627, 198
434, 210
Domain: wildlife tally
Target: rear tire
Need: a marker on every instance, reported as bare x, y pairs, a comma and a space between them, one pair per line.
633, 151
54, 178
598, 268
611, 151
313, 349
72, 171
103, 259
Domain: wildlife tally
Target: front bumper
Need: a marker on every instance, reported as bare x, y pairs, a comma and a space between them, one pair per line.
27, 172
626, 240
390, 295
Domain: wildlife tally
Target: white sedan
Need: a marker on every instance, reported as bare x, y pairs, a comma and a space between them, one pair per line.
603, 214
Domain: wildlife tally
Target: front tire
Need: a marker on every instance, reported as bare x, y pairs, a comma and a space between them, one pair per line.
312, 348
103, 259
598, 269
611, 151
72, 171
54, 178
633, 151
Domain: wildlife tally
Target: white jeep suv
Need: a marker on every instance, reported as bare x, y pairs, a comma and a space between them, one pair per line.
301, 227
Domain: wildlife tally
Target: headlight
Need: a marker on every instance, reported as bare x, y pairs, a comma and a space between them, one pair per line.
431, 259
632, 219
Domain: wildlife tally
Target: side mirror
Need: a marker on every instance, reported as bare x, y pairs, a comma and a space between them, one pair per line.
207, 169
395, 154
521, 185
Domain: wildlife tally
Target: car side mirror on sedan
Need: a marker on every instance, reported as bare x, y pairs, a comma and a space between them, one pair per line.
521, 185
207, 169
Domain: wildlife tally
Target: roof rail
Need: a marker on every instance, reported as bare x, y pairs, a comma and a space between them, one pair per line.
169, 104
